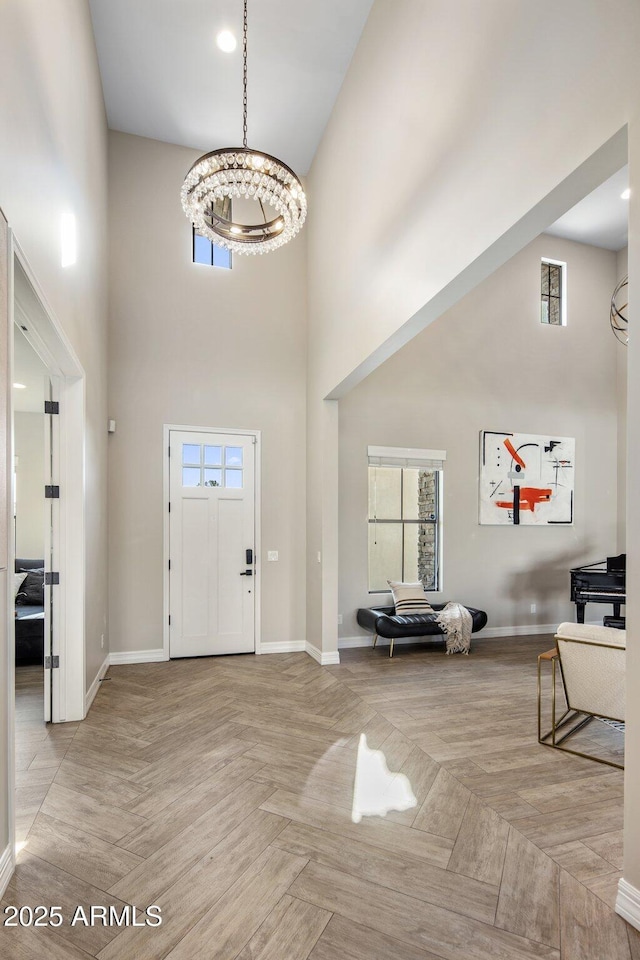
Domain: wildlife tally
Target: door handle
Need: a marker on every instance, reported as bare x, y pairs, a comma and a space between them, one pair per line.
247, 573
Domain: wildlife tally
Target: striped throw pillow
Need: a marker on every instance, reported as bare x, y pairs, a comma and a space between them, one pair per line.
409, 598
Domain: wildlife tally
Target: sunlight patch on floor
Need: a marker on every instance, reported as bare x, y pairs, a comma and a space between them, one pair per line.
376, 790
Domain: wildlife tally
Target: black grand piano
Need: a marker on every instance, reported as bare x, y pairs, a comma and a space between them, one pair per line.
601, 582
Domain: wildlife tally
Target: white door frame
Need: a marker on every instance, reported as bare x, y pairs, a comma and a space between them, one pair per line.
167, 427
50, 342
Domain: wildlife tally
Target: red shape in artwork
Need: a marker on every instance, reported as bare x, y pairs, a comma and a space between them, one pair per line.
529, 498
514, 453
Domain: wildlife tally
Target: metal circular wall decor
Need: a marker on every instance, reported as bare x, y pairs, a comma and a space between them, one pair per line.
233, 173
618, 314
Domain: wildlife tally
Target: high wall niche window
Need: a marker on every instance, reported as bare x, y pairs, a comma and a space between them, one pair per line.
405, 495
553, 281
208, 253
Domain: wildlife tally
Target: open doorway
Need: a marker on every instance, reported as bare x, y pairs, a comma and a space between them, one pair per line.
46, 543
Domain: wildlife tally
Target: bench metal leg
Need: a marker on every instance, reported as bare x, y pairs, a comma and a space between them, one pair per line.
391, 648
375, 639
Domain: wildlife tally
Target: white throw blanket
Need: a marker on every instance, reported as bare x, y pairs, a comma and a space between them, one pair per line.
456, 623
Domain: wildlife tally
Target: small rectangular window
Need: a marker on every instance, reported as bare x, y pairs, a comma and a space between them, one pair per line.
202, 466
208, 253
553, 275
404, 518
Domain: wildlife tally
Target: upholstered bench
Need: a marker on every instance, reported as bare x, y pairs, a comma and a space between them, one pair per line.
383, 622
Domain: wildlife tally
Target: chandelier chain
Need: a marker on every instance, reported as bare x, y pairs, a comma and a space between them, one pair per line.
218, 178
244, 76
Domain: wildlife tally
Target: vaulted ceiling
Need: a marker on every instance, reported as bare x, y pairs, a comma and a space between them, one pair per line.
164, 77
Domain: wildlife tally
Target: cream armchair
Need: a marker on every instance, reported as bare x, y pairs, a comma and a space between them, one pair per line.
592, 664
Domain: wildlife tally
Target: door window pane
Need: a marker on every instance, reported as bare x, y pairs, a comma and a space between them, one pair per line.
212, 456
233, 457
191, 476
212, 478
191, 453
233, 479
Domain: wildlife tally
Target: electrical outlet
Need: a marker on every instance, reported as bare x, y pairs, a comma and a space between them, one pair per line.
533, 608
339, 619
319, 557
272, 554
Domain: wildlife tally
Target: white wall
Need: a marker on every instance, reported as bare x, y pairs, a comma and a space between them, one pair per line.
30, 480
53, 158
201, 346
490, 364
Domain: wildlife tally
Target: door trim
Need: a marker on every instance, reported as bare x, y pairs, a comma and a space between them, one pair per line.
256, 434
48, 339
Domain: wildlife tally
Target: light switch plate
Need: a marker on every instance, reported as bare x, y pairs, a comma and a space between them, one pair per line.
272, 554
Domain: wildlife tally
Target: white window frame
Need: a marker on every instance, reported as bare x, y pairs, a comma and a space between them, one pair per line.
413, 457
563, 292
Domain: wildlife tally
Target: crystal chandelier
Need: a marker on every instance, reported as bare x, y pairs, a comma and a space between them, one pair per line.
239, 173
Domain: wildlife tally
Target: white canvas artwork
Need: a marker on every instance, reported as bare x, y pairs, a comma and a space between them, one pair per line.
526, 479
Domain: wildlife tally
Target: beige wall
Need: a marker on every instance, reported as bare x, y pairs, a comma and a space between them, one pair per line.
30, 480
53, 158
622, 268
198, 346
632, 734
5, 519
447, 133
490, 364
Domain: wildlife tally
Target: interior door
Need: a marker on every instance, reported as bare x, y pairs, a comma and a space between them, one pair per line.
48, 553
52, 502
211, 543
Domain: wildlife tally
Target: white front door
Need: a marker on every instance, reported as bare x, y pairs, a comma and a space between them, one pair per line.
211, 543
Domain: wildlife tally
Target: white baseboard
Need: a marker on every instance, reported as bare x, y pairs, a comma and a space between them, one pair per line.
136, 656
628, 903
283, 646
526, 630
324, 659
95, 686
7, 864
489, 633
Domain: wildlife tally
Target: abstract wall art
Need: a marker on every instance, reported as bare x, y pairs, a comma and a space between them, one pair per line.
526, 479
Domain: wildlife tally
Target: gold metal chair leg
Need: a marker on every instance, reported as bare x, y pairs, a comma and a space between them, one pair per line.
391, 648
375, 639
539, 702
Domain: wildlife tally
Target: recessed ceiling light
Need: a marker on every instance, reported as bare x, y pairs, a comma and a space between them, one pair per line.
226, 41
625, 194
20, 386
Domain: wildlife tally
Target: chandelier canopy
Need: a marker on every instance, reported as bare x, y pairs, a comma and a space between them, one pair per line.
243, 174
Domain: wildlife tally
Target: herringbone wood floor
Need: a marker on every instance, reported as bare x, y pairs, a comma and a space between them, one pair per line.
222, 790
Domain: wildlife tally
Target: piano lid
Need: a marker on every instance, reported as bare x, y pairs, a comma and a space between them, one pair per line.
610, 565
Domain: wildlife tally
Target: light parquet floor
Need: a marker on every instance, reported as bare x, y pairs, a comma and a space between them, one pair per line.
222, 790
